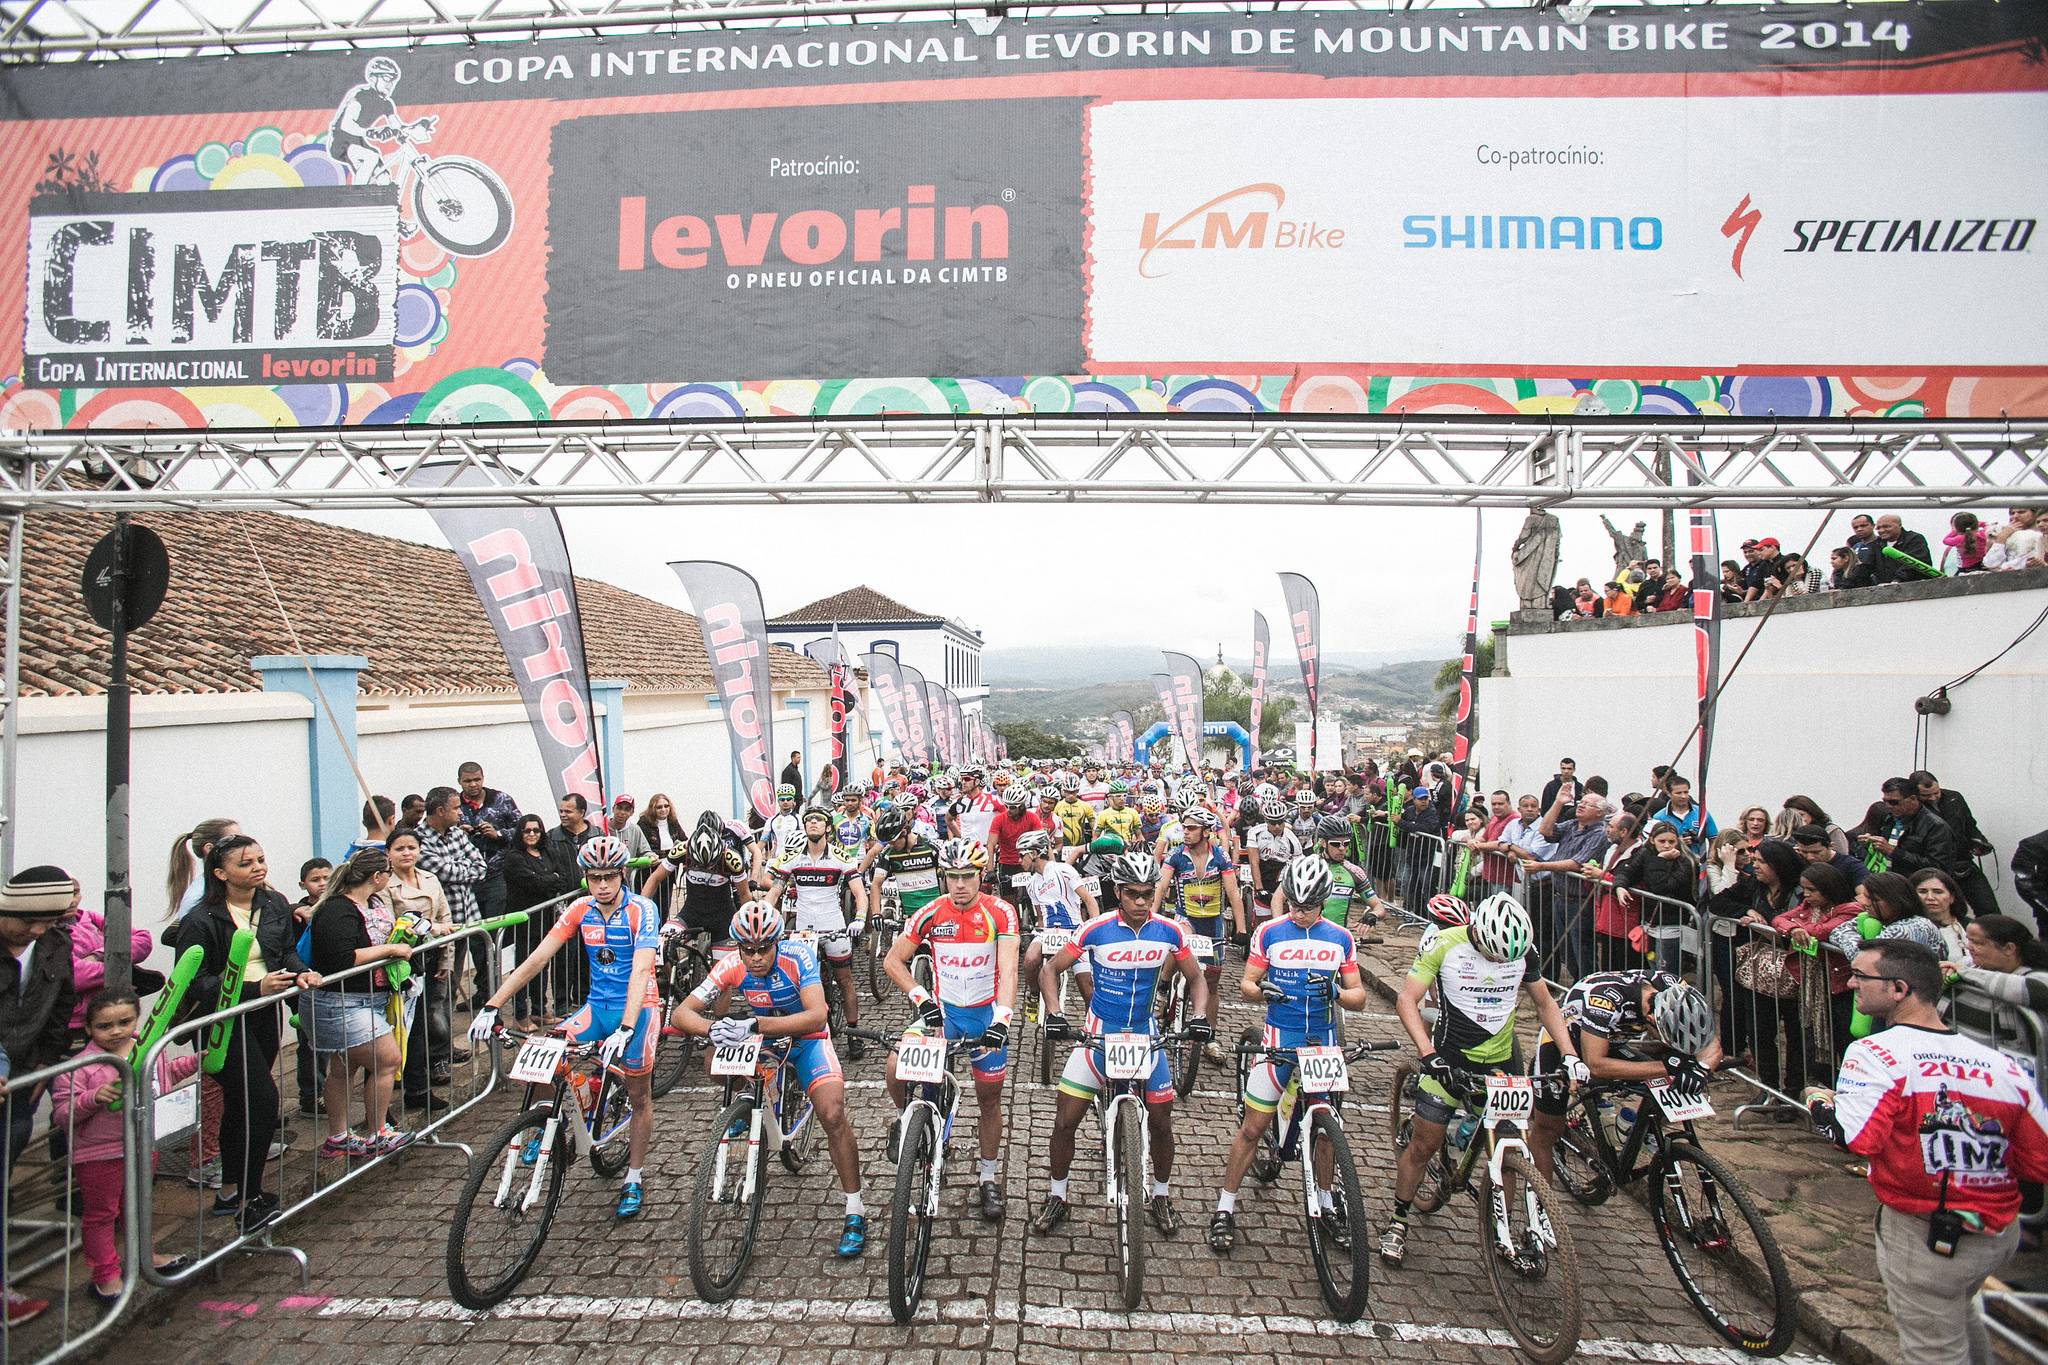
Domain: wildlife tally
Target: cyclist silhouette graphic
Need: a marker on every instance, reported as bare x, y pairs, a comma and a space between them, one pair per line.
459, 203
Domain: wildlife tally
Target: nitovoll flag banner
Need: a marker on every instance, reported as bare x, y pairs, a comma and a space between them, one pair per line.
518, 563
956, 725
1262, 644
1305, 623
1724, 213
1123, 735
1162, 684
1461, 740
829, 653
1706, 633
727, 601
930, 715
1186, 672
899, 706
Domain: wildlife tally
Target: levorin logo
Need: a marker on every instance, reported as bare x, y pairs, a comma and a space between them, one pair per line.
1244, 219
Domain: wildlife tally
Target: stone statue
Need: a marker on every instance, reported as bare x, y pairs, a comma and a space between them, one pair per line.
1535, 559
1628, 549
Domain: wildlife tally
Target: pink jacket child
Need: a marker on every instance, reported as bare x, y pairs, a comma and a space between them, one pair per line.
89, 958
97, 1149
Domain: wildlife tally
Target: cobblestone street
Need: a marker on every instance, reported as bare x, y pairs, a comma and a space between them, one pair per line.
994, 1292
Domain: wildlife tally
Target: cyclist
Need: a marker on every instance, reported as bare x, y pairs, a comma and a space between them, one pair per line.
1480, 969
369, 115
1116, 816
1444, 911
785, 822
1076, 817
1299, 963
1348, 882
1127, 949
908, 859
1305, 816
972, 937
1271, 847
824, 876
1016, 820
780, 981
976, 809
1058, 901
708, 872
1151, 821
1627, 1026
850, 824
945, 806
1203, 881
620, 933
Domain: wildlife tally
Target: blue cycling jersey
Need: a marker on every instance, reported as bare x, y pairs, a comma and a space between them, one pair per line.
1296, 960
777, 992
609, 943
1126, 964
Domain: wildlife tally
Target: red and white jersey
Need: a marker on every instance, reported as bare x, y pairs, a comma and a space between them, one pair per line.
963, 945
1925, 1105
977, 814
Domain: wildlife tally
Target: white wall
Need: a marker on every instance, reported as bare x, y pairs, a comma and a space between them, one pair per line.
1823, 706
242, 756
922, 647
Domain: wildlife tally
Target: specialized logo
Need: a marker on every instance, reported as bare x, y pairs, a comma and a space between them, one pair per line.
1244, 219
1530, 232
1884, 236
1741, 225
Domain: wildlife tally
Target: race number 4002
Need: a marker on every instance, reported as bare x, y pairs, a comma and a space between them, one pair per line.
1509, 1099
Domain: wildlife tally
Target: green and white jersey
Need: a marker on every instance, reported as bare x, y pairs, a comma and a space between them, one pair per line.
1477, 996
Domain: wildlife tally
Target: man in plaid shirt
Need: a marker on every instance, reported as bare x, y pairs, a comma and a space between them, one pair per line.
445, 851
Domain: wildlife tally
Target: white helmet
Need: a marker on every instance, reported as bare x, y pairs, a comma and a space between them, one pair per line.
1683, 1017
1499, 929
1306, 882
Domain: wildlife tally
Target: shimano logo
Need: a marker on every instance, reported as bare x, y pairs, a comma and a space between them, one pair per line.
1529, 232
1244, 219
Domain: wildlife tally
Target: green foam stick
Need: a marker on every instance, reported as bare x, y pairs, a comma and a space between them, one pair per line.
230, 994
166, 1007
1918, 566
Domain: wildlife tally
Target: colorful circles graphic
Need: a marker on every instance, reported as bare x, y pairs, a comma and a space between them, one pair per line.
1658, 401
1325, 393
138, 410
179, 173
1452, 399
394, 411
423, 256
210, 159
589, 404
868, 397
484, 394
1091, 397
1048, 393
715, 401
243, 406
29, 410
521, 368
1213, 395
264, 142
416, 313
314, 166
248, 172
317, 405
1776, 395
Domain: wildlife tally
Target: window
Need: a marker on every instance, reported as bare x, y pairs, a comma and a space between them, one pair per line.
887, 647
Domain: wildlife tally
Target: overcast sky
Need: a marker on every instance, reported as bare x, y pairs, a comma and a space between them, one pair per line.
1176, 577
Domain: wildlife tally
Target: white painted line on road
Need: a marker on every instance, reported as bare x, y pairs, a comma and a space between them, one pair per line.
583, 1308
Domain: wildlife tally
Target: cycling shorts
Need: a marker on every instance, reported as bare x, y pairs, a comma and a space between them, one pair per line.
835, 944
815, 1061
1081, 967
1083, 1078
1552, 1097
1433, 1103
1268, 1080
596, 1022
970, 1022
1217, 931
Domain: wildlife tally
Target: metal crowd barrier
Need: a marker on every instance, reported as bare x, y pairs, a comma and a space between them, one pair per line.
1780, 1042
2013, 1029
44, 1202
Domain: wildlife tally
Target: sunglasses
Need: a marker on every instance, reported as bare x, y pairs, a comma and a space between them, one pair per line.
1866, 976
1134, 891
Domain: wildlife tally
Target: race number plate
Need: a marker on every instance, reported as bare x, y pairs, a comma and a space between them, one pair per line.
538, 1059
1020, 880
1127, 1056
1092, 885
1051, 941
1205, 947
1509, 1099
1323, 1071
808, 936
736, 1059
1680, 1106
921, 1060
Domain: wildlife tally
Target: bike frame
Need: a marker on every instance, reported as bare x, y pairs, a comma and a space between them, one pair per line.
1497, 1150
759, 1129
943, 1099
580, 1134
1651, 1129
1301, 1106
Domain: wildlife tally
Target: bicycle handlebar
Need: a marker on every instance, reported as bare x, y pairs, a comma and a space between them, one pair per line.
1354, 1052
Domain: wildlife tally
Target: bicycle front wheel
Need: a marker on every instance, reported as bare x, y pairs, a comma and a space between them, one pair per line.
725, 1213
1529, 1259
910, 1221
1723, 1253
1337, 1234
1129, 1200
502, 1216
878, 945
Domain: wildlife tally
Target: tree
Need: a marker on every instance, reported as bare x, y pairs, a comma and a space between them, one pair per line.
1229, 698
1027, 740
1453, 669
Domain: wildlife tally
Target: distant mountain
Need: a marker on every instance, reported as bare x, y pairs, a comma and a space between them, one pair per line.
1052, 667
1388, 692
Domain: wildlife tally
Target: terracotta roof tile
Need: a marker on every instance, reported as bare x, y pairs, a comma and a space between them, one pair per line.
855, 604
407, 608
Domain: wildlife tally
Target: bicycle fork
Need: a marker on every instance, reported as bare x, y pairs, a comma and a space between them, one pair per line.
540, 1167
1539, 1222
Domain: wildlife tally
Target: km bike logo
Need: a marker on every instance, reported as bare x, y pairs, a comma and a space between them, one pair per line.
1247, 218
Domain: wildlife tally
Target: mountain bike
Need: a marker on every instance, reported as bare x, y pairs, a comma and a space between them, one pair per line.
1337, 1236
1523, 1240
1051, 941
762, 1109
925, 1064
1718, 1244
1127, 1154
492, 1246
458, 202
686, 959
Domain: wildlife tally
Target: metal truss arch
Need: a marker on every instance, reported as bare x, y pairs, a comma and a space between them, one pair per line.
1264, 459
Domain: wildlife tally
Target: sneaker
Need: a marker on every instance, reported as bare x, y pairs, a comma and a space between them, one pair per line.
105, 1297
225, 1206
991, 1202
22, 1309
853, 1238
458, 1055
736, 1129
277, 1149
1394, 1243
1050, 1215
390, 1139
345, 1145
441, 1075
258, 1210
1214, 1054
205, 1176
1222, 1232
307, 1108
629, 1204
856, 1048
1161, 1209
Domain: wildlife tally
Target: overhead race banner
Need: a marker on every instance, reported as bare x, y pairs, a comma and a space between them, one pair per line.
1305, 623
1731, 211
518, 562
1262, 644
727, 602
1461, 739
899, 706
1186, 672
